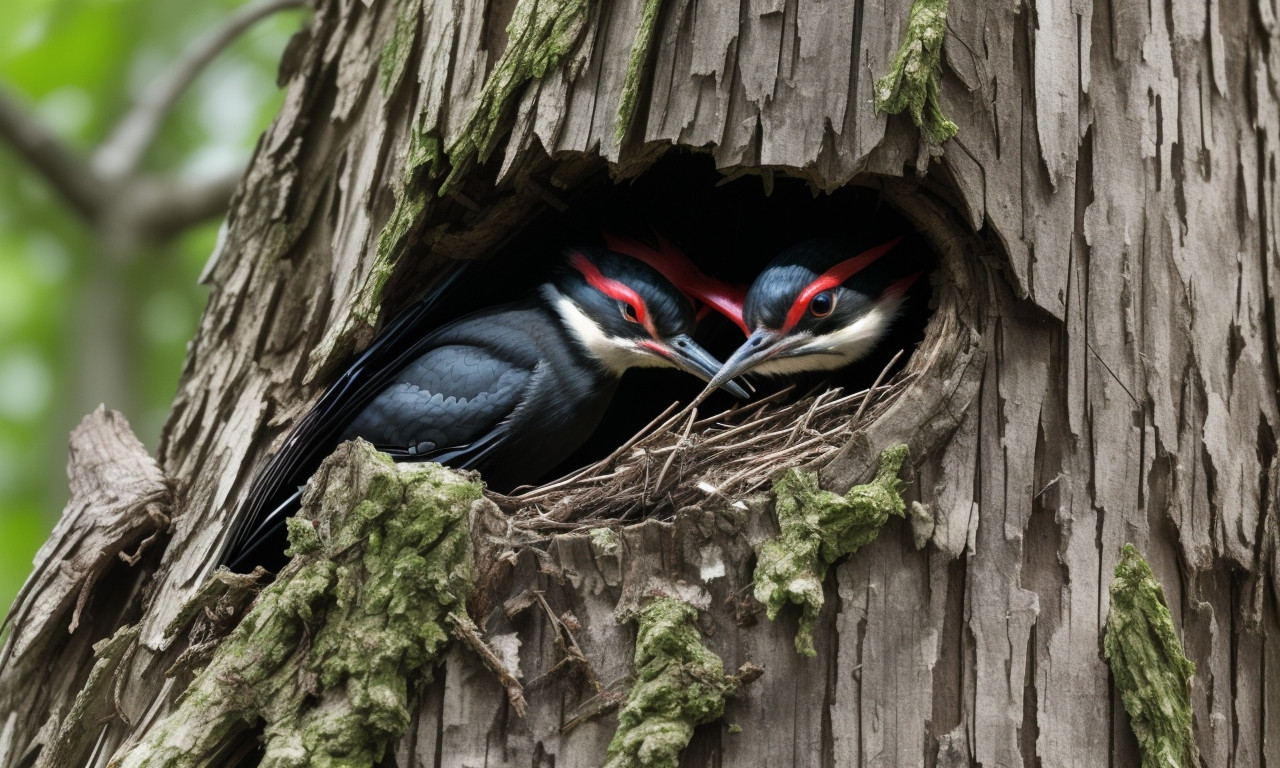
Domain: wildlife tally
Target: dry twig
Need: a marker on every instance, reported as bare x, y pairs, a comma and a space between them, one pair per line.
730, 454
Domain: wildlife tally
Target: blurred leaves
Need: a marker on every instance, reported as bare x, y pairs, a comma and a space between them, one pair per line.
78, 66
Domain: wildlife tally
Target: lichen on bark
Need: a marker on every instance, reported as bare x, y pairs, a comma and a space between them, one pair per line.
679, 684
818, 528
914, 81
326, 659
1148, 665
541, 33
635, 65
395, 56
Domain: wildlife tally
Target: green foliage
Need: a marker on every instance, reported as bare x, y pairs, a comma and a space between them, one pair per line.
79, 65
818, 528
679, 684
913, 80
1153, 675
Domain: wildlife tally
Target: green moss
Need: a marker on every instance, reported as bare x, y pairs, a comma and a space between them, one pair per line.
679, 684
605, 540
818, 528
425, 160
540, 35
636, 63
913, 80
399, 50
303, 537
1153, 675
327, 657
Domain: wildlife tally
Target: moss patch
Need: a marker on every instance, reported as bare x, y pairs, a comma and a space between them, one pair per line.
540, 35
1153, 675
818, 528
327, 658
635, 65
679, 684
914, 81
395, 57
605, 540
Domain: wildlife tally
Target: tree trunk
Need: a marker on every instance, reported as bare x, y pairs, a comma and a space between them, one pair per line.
1100, 369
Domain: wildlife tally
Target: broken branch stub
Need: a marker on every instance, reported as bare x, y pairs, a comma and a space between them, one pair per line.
913, 82
120, 502
120, 507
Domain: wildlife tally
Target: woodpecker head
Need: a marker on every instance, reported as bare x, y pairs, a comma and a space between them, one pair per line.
817, 307
626, 314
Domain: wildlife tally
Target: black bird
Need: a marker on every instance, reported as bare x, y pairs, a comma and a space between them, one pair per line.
510, 391
818, 307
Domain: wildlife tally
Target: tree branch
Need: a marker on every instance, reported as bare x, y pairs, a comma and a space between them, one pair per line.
165, 207
60, 165
120, 154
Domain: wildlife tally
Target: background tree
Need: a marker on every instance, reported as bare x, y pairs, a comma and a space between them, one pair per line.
98, 307
1100, 369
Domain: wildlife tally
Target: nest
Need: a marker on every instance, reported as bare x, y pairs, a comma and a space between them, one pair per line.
680, 460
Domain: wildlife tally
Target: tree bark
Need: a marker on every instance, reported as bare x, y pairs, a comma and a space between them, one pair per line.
1101, 368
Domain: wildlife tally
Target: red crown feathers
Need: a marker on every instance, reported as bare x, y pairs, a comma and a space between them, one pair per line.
672, 264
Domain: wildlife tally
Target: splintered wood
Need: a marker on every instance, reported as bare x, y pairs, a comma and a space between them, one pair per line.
680, 460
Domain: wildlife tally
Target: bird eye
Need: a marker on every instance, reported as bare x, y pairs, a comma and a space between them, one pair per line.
822, 304
629, 312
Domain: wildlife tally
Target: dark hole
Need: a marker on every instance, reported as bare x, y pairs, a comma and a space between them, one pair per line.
731, 230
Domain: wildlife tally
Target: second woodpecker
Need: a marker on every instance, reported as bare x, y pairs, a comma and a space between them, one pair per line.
818, 306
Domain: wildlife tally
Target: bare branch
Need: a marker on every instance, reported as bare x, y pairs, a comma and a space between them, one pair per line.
120, 154
165, 207
60, 165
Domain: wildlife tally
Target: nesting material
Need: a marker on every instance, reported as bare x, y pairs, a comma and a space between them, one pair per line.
682, 460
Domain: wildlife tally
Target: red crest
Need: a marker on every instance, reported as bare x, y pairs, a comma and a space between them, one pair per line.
672, 264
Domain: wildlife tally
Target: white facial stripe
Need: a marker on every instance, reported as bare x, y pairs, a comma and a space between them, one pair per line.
836, 349
615, 355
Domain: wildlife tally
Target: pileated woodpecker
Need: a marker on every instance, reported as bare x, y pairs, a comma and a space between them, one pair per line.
510, 391
817, 307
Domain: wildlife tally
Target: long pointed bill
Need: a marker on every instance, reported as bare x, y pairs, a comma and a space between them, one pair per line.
759, 346
686, 355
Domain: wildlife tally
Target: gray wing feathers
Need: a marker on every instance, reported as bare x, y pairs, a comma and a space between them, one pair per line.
448, 397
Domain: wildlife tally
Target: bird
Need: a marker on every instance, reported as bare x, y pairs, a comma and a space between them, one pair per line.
818, 306
509, 391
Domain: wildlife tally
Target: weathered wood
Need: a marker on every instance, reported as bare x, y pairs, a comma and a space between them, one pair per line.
90, 578
1101, 367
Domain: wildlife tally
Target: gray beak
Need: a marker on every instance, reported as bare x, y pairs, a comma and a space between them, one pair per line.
759, 346
686, 355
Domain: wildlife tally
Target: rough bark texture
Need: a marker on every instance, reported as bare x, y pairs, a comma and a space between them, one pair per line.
1101, 368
